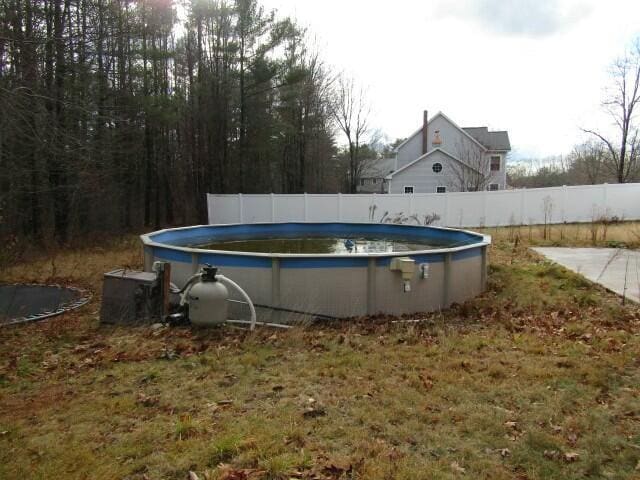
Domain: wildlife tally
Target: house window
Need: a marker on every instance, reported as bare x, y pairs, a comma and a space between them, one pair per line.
441, 189
362, 181
408, 189
495, 163
437, 167
374, 180
494, 186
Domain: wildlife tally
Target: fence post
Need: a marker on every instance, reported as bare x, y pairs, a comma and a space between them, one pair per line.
484, 208
306, 207
240, 209
273, 208
372, 212
446, 210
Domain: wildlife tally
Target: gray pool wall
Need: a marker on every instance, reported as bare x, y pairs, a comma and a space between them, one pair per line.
333, 285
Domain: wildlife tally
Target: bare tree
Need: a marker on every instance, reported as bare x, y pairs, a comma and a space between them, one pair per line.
473, 173
351, 112
623, 97
588, 162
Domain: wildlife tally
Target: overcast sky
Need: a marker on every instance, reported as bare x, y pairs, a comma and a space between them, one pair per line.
536, 68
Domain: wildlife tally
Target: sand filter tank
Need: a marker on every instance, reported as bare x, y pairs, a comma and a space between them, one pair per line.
207, 299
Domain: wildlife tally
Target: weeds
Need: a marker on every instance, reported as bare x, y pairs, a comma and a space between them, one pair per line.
223, 450
604, 232
185, 427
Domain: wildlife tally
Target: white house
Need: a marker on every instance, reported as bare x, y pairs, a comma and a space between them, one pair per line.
441, 156
373, 175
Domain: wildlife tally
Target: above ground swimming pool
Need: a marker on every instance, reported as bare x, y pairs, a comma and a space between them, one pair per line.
336, 270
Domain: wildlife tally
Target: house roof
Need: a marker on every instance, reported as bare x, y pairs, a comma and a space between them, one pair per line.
498, 140
409, 138
422, 157
377, 168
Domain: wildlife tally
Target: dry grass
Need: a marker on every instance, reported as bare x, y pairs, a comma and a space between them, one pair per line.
601, 234
536, 379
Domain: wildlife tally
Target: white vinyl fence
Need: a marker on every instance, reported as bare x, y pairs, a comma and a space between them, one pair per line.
464, 209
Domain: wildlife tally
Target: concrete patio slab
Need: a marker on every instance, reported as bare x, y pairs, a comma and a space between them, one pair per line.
616, 269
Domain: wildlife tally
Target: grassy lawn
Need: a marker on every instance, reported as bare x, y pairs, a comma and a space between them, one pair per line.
538, 378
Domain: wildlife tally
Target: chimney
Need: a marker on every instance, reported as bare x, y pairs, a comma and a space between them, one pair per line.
425, 133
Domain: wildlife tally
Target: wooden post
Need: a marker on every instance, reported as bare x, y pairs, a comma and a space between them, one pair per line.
164, 275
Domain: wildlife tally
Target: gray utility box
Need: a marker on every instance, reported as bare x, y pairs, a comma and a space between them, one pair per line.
130, 297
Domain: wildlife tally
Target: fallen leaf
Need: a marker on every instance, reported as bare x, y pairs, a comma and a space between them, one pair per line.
427, 381
229, 473
455, 466
551, 454
571, 456
146, 400
335, 471
504, 452
313, 412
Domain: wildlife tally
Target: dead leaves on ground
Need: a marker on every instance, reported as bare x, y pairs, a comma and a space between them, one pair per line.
313, 409
147, 400
568, 457
324, 469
